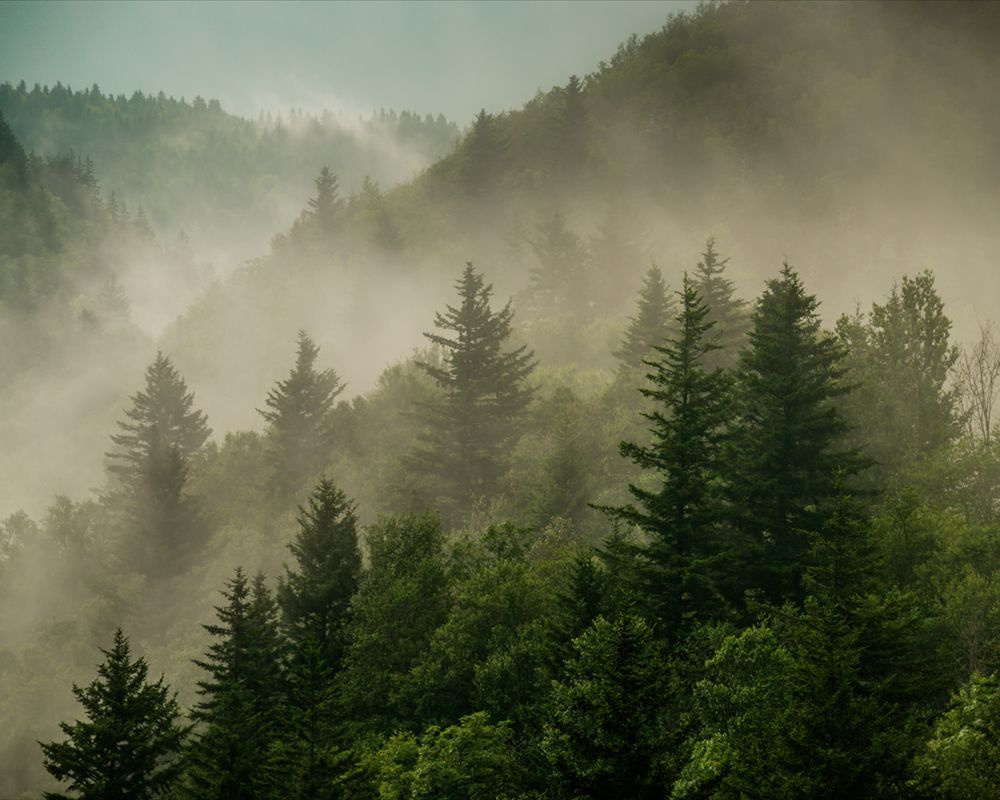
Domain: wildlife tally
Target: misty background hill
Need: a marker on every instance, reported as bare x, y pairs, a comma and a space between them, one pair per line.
226, 182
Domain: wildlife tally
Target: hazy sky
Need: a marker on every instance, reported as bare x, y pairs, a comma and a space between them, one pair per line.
449, 57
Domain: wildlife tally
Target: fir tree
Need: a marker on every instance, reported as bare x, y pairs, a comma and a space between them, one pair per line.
237, 712
468, 431
790, 453
298, 412
316, 597
129, 746
688, 423
161, 433
651, 325
726, 311
325, 208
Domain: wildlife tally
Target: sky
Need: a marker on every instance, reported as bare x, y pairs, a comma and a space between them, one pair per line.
351, 57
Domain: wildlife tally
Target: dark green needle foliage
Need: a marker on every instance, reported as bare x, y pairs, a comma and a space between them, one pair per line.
315, 597
604, 735
129, 746
469, 429
298, 412
651, 324
681, 517
789, 451
728, 312
237, 715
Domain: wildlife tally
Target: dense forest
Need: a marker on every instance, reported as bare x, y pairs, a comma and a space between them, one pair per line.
642, 445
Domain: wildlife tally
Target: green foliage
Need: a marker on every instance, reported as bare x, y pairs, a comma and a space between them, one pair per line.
403, 597
470, 428
651, 325
472, 760
316, 597
725, 310
692, 408
237, 713
604, 736
298, 412
161, 433
901, 358
962, 757
136, 721
790, 452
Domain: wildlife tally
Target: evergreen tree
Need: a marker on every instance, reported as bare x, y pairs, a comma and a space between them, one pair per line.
559, 281
316, 597
789, 454
651, 325
325, 208
403, 597
724, 309
237, 713
604, 737
129, 746
298, 413
161, 433
469, 429
482, 153
688, 423
613, 251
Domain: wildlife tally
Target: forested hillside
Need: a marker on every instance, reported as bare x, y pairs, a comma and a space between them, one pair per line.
642, 446
228, 183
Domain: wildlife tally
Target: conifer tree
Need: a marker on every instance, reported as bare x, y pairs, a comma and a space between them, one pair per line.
161, 433
688, 423
325, 208
651, 325
559, 279
237, 712
482, 151
727, 311
315, 598
469, 429
604, 736
129, 747
790, 455
298, 412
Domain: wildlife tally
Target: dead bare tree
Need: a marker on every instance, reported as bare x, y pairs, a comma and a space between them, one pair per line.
978, 379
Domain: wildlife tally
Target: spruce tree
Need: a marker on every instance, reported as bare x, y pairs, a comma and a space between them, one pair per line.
237, 713
651, 324
727, 311
315, 598
161, 433
129, 747
790, 454
325, 208
469, 429
692, 408
298, 412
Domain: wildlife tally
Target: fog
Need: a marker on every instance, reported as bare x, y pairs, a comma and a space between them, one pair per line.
862, 152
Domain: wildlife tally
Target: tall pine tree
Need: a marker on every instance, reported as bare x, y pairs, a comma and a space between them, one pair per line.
692, 407
162, 431
298, 412
469, 429
237, 714
790, 452
651, 324
727, 311
129, 747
